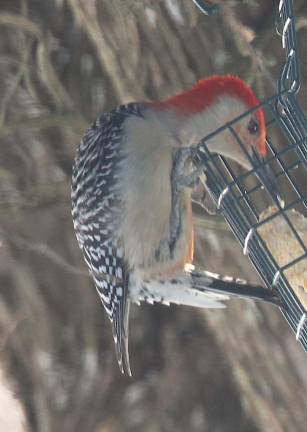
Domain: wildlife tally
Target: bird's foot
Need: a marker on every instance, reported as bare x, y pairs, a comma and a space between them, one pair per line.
184, 173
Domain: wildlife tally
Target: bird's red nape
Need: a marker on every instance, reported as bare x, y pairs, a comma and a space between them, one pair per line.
205, 92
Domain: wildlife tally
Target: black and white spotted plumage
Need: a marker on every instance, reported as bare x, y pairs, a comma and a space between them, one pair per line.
96, 211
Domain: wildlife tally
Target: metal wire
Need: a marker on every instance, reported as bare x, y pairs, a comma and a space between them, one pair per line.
242, 199
206, 9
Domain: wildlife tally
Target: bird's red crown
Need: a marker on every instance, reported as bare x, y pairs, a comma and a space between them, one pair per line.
205, 92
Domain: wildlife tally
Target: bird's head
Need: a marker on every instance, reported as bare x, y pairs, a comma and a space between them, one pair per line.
213, 103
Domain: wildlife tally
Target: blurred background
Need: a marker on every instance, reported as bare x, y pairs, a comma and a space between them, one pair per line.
62, 62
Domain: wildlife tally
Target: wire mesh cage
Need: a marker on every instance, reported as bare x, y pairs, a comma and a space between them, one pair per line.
273, 233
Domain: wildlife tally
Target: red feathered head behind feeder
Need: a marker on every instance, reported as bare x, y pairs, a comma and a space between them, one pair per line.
215, 101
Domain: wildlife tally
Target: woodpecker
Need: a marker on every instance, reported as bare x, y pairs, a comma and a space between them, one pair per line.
132, 202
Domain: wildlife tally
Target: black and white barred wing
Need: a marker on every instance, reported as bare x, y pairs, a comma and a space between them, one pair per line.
111, 281
95, 211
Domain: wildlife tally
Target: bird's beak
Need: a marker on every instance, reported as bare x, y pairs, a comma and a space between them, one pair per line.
266, 177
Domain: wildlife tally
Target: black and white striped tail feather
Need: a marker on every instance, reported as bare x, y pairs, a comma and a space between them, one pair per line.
178, 291
202, 289
234, 286
192, 288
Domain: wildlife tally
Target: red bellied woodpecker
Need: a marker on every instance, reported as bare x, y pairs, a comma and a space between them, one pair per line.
131, 203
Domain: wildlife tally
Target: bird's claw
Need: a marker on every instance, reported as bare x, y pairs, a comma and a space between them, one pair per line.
190, 180
182, 162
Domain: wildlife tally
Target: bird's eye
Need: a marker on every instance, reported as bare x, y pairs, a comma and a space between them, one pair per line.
253, 127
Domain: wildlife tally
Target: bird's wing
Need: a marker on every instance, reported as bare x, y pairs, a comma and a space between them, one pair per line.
95, 211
